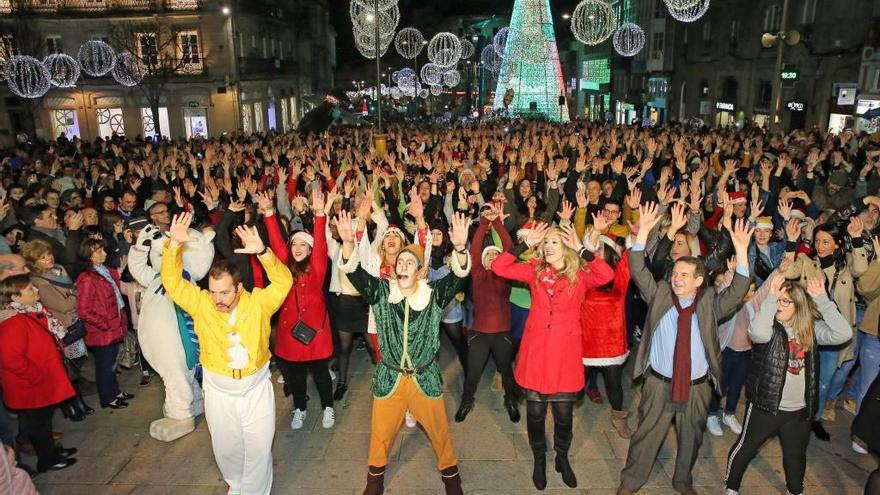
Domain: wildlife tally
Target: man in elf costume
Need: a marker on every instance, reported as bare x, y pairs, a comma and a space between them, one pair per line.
408, 310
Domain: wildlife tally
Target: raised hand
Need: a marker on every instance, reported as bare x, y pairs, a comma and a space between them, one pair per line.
567, 211
458, 235
415, 208
179, 230
649, 215
317, 202
344, 227
793, 230
776, 282
570, 238
742, 234
855, 227
264, 203
816, 287
250, 240
537, 234
679, 219
634, 199
601, 221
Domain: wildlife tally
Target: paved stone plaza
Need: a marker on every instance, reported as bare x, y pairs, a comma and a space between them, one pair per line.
117, 455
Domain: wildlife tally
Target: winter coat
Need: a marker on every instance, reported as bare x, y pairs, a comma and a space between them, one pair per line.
770, 353
305, 302
869, 287
550, 353
31, 369
603, 321
98, 308
490, 293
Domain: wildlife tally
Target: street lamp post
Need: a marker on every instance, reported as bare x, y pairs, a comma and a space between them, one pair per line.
781, 38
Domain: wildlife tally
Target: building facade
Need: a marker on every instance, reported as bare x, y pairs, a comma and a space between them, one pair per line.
210, 67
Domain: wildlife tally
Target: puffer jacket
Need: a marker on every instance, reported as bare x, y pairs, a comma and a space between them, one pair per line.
767, 374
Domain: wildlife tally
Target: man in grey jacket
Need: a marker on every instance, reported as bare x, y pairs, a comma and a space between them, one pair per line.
680, 354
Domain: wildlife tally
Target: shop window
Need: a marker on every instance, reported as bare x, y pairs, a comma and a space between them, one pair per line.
149, 123
64, 122
110, 122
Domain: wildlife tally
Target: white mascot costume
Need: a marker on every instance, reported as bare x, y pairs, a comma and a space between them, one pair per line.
160, 330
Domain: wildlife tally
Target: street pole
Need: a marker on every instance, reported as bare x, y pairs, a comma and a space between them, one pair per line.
780, 46
378, 139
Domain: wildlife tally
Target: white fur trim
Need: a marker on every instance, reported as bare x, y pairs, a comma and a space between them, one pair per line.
305, 236
608, 242
457, 269
418, 300
351, 265
612, 361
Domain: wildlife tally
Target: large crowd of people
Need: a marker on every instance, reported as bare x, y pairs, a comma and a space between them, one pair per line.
706, 261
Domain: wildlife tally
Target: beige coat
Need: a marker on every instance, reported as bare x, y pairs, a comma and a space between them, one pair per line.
844, 294
60, 301
869, 288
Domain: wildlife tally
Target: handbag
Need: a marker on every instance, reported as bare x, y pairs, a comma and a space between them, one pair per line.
302, 332
73, 345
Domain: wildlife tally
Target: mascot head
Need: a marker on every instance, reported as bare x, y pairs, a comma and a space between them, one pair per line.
197, 255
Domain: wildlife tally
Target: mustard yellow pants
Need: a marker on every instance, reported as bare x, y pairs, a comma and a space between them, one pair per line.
388, 416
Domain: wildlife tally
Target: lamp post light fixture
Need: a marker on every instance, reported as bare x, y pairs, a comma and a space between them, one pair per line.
566, 16
225, 10
780, 39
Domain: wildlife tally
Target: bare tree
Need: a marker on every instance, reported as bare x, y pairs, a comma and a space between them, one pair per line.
164, 52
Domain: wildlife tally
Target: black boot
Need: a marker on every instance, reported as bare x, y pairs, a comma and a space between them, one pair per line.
70, 411
463, 410
85, 408
564, 468
341, 389
375, 481
562, 433
820, 432
451, 481
512, 410
535, 414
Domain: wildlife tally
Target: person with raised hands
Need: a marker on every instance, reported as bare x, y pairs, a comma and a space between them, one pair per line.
549, 368
233, 328
679, 359
408, 311
783, 383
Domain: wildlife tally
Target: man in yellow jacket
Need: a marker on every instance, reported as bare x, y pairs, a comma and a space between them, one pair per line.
233, 330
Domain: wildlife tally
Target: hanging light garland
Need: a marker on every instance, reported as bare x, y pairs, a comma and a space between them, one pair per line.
593, 22
26, 76
681, 4
96, 58
444, 49
128, 71
63, 70
629, 39
692, 13
408, 42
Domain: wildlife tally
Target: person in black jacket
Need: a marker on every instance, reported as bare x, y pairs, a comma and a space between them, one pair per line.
782, 387
865, 427
42, 222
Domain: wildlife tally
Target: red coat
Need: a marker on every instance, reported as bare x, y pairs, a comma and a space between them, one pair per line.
549, 359
97, 307
603, 320
31, 370
489, 292
305, 300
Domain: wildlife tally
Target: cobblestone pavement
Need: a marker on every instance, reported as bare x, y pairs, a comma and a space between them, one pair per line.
117, 456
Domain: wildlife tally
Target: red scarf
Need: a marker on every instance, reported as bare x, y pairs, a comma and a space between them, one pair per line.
681, 359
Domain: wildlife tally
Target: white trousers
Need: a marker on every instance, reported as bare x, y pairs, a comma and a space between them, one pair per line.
241, 419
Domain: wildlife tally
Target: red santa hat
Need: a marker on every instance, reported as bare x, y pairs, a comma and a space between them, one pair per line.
610, 240
737, 197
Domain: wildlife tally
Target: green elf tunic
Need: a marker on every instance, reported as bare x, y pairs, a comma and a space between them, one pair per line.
408, 326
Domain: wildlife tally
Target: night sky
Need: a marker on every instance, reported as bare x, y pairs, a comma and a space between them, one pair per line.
424, 15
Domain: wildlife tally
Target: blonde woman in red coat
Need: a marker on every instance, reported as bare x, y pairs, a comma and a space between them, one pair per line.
549, 367
603, 322
307, 260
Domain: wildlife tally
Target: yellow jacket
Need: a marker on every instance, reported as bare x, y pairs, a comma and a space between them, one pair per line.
211, 326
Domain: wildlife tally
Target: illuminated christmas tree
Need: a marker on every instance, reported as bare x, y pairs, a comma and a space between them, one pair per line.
531, 63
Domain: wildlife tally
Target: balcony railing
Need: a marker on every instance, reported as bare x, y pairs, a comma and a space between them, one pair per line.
96, 6
262, 66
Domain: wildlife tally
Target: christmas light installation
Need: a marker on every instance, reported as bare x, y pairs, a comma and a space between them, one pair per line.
499, 42
408, 42
431, 73
436, 89
593, 22
444, 49
690, 14
128, 71
490, 59
681, 4
96, 58
629, 39
26, 76
451, 78
63, 70
535, 78
467, 49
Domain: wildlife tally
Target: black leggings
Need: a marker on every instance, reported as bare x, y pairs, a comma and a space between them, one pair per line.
295, 374
39, 431
793, 429
536, 412
343, 353
456, 337
479, 345
613, 378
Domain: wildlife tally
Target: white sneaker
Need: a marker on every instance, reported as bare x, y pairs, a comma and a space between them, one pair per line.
731, 492
713, 424
410, 420
732, 423
299, 417
280, 378
332, 375
858, 449
329, 418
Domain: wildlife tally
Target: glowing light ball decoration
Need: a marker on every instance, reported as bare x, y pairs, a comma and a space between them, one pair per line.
431, 73
96, 58
128, 71
499, 41
490, 59
363, 18
451, 78
444, 49
370, 4
467, 49
395, 75
629, 39
692, 13
395, 92
26, 76
593, 22
407, 72
681, 4
408, 42
436, 89
424, 93
63, 70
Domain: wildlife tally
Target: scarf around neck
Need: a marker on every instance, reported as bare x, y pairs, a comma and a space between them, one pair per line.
55, 327
104, 272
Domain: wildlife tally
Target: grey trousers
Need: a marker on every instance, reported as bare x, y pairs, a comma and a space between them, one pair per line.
656, 412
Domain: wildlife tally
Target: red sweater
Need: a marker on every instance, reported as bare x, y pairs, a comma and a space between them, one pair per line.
489, 292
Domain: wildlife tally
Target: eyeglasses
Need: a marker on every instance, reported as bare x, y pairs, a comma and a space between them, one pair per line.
611, 212
785, 302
